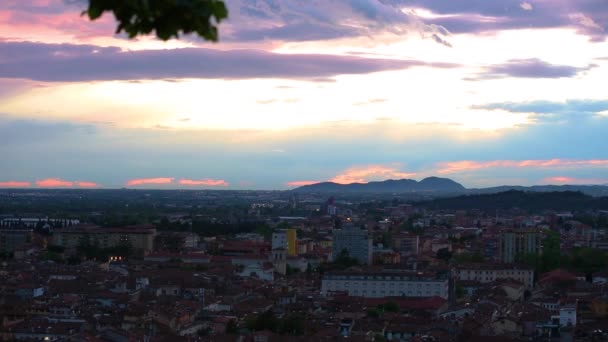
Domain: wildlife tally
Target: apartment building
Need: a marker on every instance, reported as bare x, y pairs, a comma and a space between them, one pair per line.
287, 239
357, 242
487, 273
514, 242
140, 237
388, 283
13, 238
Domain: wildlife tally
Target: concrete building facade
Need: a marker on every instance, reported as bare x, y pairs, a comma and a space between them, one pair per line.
487, 273
140, 237
287, 239
378, 284
516, 242
13, 238
357, 242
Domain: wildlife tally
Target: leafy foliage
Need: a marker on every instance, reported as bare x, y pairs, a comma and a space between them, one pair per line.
91, 250
380, 309
291, 324
232, 327
464, 258
444, 254
344, 260
389, 307
587, 260
168, 18
550, 258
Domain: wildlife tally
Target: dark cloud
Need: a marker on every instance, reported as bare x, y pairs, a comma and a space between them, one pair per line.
296, 20
530, 68
294, 32
440, 40
66, 62
589, 17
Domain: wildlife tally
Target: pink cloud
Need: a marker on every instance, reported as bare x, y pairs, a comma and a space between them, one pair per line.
53, 183
301, 183
205, 182
572, 180
364, 174
469, 165
84, 184
144, 181
14, 184
62, 22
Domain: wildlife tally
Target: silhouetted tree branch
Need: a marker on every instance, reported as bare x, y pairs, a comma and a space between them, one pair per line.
167, 18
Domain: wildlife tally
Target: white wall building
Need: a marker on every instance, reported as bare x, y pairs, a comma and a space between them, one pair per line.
487, 273
279, 239
567, 316
386, 284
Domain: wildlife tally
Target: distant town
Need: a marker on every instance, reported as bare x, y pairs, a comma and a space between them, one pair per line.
310, 265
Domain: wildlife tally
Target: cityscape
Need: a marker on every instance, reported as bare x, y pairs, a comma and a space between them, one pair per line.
303, 170
148, 265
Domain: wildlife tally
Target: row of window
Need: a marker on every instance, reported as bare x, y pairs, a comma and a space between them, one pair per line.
377, 278
392, 284
373, 293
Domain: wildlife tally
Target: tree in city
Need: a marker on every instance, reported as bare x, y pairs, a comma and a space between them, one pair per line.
166, 18
444, 254
232, 328
344, 260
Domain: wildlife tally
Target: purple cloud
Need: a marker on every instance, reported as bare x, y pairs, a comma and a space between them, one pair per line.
589, 17
530, 68
67, 62
296, 20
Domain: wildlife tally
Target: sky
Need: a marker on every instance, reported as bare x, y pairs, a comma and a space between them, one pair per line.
296, 92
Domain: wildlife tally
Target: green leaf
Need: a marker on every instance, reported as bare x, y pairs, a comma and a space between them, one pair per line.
94, 12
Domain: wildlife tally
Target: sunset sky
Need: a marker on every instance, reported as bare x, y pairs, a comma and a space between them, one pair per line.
484, 92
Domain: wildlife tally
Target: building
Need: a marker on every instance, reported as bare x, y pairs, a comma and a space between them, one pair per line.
567, 315
487, 273
285, 238
357, 242
279, 260
393, 283
13, 238
406, 244
517, 242
140, 237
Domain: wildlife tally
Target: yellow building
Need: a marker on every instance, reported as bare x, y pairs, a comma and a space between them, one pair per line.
326, 243
292, 246
599, 306
287, 239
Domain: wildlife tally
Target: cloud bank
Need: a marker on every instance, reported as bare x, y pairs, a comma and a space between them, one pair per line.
78, 63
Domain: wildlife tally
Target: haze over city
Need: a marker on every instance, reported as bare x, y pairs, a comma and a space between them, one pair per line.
296, 92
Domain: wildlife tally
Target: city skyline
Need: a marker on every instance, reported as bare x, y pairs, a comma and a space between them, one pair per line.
488, 94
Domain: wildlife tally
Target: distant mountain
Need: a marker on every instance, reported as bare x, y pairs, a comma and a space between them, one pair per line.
430, 184
443, 186
593, 190
527, 200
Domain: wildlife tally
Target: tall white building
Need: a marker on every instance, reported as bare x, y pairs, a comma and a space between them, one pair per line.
378, 284
357, 242
279, 239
